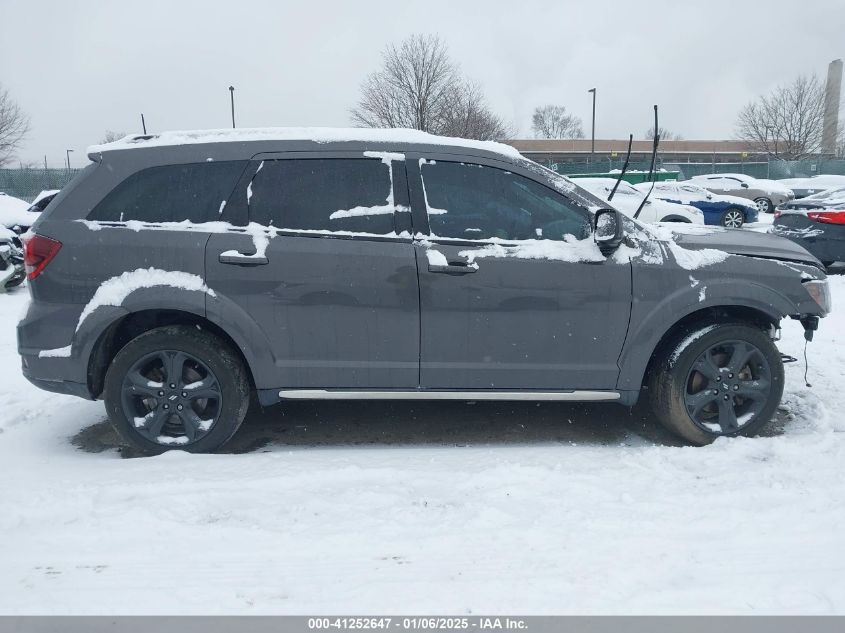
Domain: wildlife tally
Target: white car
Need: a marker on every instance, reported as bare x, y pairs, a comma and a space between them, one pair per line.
728, 211
803, 187
766, 194
627, 199
13, 212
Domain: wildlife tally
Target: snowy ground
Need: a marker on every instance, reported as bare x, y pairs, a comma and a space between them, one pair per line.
427, 508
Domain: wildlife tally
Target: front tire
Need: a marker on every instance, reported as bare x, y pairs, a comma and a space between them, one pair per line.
717, 380
176, 387
732, 218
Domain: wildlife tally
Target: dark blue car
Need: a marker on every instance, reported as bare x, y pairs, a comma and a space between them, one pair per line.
728, 211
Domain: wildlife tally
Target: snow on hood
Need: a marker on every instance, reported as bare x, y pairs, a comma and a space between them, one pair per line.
740, 202
773, 186
316, 134
749, 243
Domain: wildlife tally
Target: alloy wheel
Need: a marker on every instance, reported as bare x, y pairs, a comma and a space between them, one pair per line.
762, 205
727, 387
171, 397
733, 219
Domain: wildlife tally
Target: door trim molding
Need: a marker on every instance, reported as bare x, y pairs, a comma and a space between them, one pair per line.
429, 394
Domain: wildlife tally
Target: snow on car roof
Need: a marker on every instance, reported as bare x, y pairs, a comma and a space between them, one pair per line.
316, 134
745, 177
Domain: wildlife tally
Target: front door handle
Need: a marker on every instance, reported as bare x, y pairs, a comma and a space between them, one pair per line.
239, 259
453, 268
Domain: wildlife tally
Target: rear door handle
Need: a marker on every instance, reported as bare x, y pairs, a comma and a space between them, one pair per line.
453, 268
239, 259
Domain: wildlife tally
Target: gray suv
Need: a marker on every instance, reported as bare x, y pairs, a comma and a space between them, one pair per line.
179, 273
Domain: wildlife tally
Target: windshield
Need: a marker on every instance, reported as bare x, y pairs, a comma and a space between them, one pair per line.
839, 192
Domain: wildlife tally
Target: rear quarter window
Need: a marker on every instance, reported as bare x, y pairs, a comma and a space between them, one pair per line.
171, 193
331, 194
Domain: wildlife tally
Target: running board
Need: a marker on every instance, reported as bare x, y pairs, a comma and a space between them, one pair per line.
324, 394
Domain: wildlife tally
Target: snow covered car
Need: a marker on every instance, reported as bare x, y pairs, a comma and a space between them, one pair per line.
12, 271
14, 214
766, 194
42, 200
179, 272
817, 223
803, 187
627, 199
728, 211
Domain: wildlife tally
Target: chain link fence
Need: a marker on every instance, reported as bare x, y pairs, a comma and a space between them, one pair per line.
774, 169
28, 183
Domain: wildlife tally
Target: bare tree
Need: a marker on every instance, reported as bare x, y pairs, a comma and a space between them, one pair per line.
665, 134
469, 117
111, 137
787, 123
14, 125
419, 87
552, 121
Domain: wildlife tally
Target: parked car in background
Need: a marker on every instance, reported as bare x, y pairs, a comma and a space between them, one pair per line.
728, 211
42, 200
767, 194
817, 223
14, 214
627, 199
12, 271
825, 199
803, 187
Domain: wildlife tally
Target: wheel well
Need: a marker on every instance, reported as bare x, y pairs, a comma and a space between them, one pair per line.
119, 333
676, 218
709, 316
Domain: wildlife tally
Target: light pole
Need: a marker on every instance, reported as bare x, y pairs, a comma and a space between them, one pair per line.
232, 97
67, 156
593, 135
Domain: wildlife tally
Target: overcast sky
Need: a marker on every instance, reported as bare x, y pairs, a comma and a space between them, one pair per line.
80, 68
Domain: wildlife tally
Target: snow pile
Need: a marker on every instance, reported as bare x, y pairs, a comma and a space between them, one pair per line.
569, 250
59, 352
436, 258
114, 291
689, 259
316, 134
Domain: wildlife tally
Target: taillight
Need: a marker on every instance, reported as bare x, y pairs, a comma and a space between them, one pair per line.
828, 217
778, 214
38, 251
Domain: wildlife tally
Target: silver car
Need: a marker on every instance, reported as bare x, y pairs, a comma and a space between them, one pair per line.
767, 194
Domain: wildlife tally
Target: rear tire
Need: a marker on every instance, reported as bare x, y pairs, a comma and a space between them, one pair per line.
764, 205
176, 367
732, 218
716, 380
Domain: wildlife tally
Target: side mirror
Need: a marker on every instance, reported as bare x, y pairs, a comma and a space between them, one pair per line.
744, 185
608, 230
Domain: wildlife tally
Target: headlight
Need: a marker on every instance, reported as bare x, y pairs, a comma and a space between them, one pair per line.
820, 292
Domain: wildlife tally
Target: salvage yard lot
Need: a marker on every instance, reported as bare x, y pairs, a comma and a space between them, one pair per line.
427, 507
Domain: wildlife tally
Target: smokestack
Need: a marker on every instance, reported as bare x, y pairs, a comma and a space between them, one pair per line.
832, 97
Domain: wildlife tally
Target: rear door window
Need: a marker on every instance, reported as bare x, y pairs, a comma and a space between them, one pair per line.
171, 193
478, 202
324, 194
